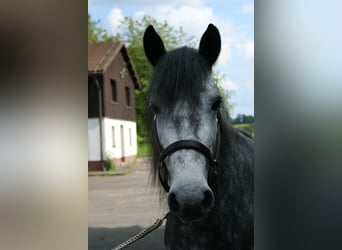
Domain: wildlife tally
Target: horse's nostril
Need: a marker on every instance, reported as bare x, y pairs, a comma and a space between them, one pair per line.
208, 200
191, 206
173, 204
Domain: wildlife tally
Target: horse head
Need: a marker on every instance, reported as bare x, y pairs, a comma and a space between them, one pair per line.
184, 105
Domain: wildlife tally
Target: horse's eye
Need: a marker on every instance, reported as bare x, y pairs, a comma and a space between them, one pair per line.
216, 104
154, 109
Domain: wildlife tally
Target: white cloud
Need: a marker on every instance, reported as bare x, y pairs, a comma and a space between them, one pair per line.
142, 4
229, 85
247, 8
114, 19
182, 16
247, 48
226, 52
194, 19
249, 85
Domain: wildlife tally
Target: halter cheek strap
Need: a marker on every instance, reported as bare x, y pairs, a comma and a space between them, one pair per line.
187, 144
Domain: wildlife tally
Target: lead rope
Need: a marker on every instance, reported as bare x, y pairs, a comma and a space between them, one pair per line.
142, 234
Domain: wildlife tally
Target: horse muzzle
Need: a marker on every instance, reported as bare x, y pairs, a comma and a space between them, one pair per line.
190, 207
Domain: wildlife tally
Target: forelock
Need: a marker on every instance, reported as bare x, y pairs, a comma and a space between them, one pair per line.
180, 76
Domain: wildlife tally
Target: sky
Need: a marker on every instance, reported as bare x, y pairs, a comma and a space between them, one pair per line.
233, 18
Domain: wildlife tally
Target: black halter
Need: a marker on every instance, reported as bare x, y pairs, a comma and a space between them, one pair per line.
187, 144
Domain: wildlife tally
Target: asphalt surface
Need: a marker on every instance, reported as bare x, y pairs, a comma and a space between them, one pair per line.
120, 207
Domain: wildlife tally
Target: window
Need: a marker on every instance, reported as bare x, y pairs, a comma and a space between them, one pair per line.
114, 90
113, 137
128, 97
130, 136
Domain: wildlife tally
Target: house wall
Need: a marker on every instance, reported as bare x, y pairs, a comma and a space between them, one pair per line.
119, 109
113, 146
126, 130
93, 140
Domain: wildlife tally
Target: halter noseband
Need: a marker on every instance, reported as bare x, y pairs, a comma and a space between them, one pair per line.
187, 144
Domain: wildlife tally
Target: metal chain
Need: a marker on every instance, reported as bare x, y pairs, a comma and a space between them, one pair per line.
142, 234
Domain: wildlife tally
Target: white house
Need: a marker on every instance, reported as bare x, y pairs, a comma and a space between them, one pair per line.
112, 129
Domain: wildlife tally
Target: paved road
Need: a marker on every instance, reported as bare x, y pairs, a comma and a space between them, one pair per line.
121, 206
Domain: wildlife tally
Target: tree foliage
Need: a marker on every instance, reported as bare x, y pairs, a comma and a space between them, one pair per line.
95, 32
242, 118
226, 94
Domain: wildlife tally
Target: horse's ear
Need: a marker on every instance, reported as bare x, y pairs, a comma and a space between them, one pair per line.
210, 45
153, 45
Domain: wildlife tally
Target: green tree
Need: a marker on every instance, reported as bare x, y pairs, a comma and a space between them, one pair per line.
248, 119
95, 32
226, 94
242, 118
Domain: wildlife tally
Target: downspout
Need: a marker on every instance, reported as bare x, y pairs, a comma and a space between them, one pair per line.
100, 118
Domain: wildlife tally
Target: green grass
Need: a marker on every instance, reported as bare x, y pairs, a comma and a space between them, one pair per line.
249, 127
144, 148
116, 172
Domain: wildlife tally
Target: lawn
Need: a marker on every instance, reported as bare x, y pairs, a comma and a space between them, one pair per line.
249, 127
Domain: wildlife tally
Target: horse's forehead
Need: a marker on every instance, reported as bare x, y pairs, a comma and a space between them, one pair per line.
189, 108
207, 95
184, 110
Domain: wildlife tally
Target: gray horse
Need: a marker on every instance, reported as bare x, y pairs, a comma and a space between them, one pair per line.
203, 163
